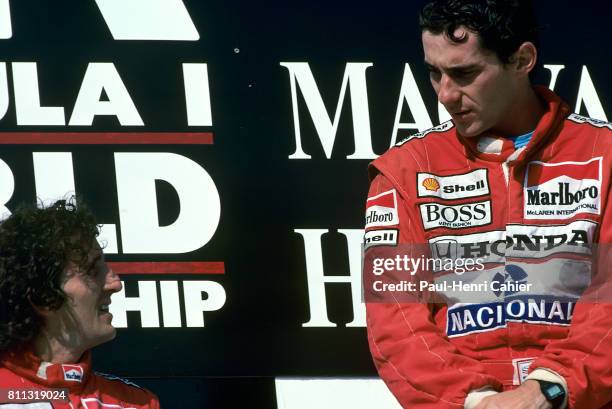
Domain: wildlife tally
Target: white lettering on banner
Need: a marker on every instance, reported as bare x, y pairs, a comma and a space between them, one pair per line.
148, 20
409, 93
588, 96
200, 205
104, 77
53, 176
586, 91
7, 188
4, 95
146, 303
555, 69
317, 279
355, 78
54, 180
195, 305
6, 29
197, 94
27, 98
171, 310
333, 393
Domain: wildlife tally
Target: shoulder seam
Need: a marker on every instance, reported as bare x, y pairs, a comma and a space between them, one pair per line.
443, 127
118, 378
580, 120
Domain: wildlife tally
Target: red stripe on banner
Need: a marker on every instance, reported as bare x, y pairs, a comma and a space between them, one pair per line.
539, 173
172, 267
105, 138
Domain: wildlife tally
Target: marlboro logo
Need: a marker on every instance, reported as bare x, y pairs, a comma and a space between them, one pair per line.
562, 190
73, 373
381, 210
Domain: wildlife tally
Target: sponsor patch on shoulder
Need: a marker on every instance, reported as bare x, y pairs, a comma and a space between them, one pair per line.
579, 119
562, 190
471, 184
381, 210
383, 237
444, 126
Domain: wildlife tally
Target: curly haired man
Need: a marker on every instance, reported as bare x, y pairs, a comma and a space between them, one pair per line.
55, 291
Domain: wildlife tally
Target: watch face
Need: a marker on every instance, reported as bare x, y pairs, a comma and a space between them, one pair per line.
554, 391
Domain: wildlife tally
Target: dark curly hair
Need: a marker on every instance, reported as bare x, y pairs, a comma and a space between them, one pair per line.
503, 25
36, 244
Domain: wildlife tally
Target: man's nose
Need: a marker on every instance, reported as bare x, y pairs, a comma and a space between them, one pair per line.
113, 282
448, 93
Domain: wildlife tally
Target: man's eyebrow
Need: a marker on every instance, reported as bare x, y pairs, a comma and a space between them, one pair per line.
459, 67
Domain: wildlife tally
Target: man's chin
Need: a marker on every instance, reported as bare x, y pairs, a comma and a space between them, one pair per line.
109, 335
468, 130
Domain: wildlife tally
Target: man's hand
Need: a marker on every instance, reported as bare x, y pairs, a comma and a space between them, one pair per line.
526, 396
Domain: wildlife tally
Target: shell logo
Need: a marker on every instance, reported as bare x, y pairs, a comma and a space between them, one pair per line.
431, 184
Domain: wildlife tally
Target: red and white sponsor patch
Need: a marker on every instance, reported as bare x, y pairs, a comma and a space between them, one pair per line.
521, 369
562, 190
73, 373
381, 237
381, 210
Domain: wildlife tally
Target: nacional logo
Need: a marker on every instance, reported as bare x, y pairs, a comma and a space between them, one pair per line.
455, 217
466, 319
73, 373
471, 184
380, 238
381, 210
562, 190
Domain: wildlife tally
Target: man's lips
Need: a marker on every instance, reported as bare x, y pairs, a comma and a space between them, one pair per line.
461, 114
104, 305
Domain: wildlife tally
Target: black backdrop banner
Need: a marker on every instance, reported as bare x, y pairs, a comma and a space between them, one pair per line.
224, 147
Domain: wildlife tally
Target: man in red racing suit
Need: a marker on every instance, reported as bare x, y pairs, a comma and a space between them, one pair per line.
24, 373
465, 181
55, 293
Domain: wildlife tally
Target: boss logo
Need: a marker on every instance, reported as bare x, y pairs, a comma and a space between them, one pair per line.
457, 216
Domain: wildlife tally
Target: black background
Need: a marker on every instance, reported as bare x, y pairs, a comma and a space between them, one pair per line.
258, 334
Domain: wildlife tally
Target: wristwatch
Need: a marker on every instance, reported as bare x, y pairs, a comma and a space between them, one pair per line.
553, 392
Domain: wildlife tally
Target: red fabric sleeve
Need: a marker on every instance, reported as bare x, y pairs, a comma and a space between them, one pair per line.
421, 367
584, 358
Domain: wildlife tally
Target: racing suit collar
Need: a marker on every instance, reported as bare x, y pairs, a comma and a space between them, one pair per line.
53, 375
497, 148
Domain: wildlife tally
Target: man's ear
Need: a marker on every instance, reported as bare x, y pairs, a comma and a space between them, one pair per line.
40, 310
524, 59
